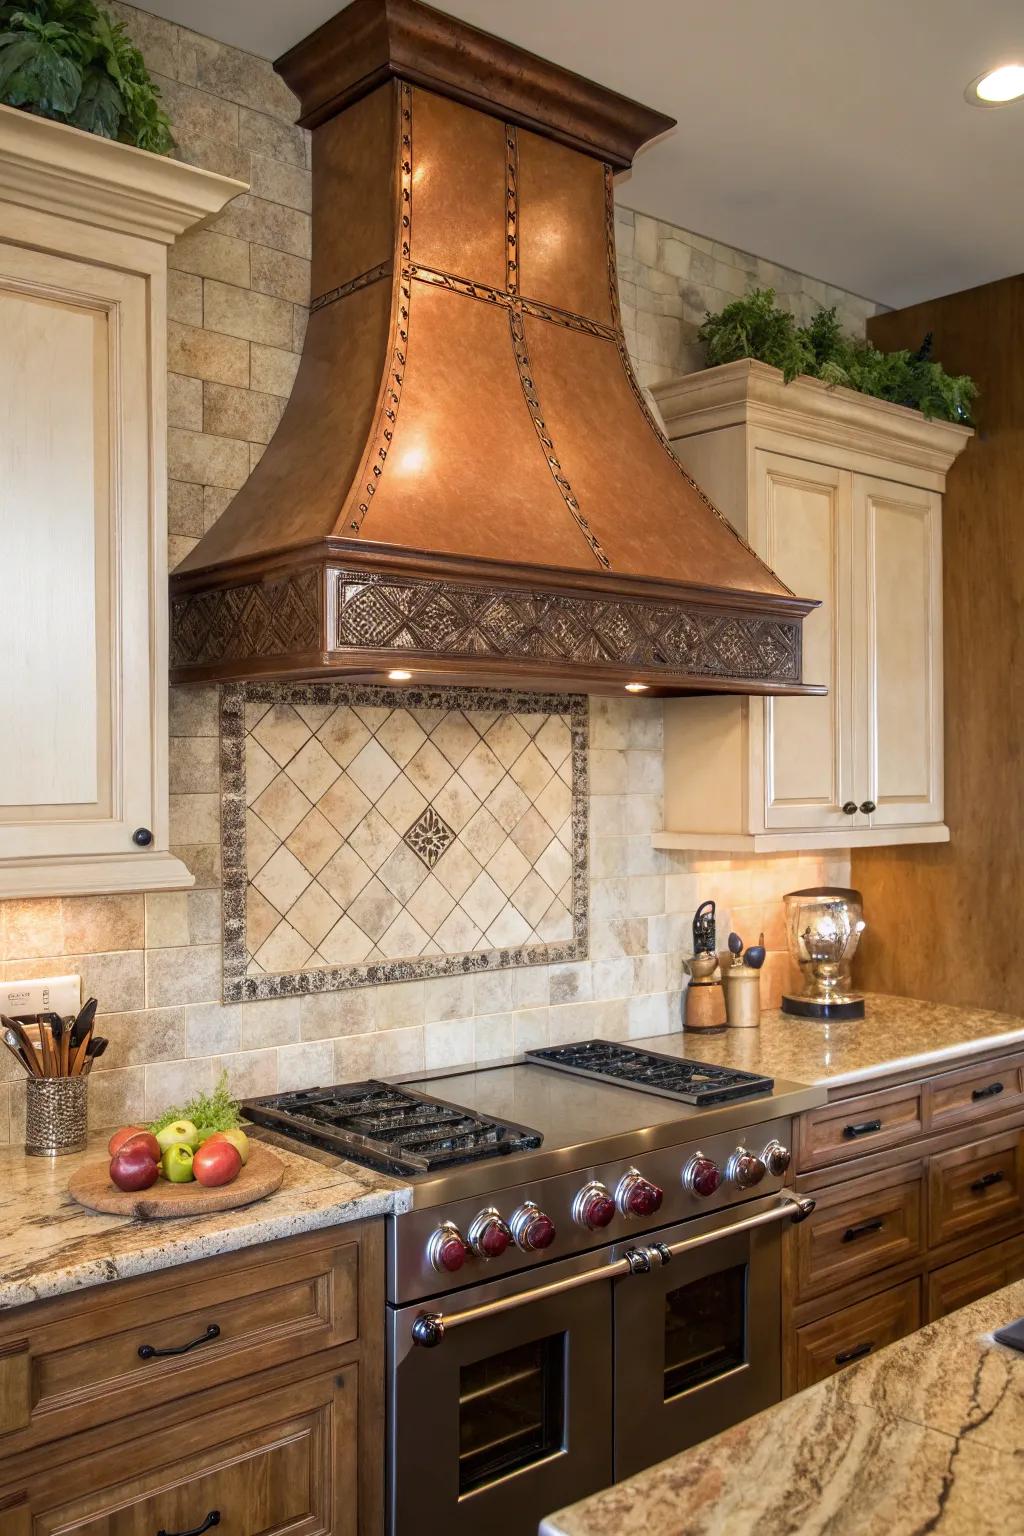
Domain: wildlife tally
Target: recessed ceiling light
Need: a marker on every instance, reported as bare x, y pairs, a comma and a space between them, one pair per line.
636, 687
399, 676
996, 87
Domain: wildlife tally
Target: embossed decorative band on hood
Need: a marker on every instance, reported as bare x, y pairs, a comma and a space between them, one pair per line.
467, 479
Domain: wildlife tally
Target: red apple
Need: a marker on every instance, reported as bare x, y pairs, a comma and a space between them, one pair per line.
121, 1136
142, 1139
133, 1168
216, 1162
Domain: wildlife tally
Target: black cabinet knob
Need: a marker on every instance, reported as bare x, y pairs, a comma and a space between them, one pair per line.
867, 806
850, 808
142, 837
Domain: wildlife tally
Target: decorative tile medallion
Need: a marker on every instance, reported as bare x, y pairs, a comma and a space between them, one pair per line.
379, 834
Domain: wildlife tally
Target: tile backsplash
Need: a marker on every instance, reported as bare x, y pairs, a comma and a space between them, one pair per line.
373, 835
238, 291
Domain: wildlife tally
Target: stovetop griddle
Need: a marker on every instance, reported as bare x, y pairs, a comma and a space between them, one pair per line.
383, 1125
670, 1077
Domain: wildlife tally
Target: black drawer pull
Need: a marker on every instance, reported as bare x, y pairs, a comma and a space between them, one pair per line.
986, 1181
865, 1128
856, 1353
852, 1233
987, 1093
212, 1519
150, 1352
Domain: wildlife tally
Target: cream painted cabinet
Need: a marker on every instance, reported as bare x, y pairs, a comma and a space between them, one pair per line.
84, 229
842, 496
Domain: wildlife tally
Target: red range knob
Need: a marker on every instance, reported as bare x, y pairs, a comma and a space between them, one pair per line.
447, 1249
702, 1176
593, 1207
637, 1196
776, 1158
745, 1169
489, 1236
531, 1228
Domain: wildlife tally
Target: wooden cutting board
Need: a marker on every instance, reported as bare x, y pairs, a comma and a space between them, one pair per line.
90, 1185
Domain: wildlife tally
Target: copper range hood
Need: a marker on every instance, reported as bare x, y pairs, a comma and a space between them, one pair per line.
467, 484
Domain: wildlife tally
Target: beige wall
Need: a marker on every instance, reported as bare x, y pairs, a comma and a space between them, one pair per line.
237, 318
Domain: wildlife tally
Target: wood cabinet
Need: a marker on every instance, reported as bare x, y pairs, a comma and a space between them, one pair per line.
272, 1418
842, 496
854, 1332
919, 1190
859, 1228
84, 229
281, 1462
954, 1285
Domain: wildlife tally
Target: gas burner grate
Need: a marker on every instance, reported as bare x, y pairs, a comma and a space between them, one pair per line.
670, 1077
398, 1130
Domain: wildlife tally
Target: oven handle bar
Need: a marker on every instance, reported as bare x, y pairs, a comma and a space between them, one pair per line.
429, 1328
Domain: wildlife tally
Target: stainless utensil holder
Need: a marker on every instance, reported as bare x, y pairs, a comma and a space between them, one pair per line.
56, 1115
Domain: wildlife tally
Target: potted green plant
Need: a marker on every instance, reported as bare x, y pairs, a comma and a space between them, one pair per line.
756, 327
70, 61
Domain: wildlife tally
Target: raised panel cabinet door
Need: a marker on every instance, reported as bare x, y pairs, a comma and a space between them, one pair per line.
75, 495
898, 651
802, 513
283, 1464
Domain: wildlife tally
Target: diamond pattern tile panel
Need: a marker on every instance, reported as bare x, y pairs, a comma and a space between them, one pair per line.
384, 833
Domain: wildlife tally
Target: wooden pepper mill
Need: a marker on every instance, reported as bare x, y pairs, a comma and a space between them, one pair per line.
704, 998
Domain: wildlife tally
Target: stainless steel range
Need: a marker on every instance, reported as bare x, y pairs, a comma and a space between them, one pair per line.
588, 1279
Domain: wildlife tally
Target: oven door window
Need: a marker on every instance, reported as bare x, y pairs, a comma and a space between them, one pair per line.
511, 1410
705, 1329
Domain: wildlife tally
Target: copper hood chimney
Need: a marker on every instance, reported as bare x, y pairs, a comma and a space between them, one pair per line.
466, 484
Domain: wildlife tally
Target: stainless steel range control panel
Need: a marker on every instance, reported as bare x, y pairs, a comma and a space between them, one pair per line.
443, 1248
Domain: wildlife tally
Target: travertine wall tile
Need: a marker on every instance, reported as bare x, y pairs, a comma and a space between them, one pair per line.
209, 254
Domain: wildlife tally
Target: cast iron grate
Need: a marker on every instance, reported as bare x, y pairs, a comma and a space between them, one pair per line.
671, 1077
384, 1126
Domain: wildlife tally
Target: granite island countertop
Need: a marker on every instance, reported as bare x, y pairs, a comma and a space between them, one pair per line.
896, 1034
925, 1436
49, 1244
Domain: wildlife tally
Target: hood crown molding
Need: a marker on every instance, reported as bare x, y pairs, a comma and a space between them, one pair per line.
468, 482
59, 169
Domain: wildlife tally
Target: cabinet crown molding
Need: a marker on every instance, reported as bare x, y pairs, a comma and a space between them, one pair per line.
753, 394
81, 176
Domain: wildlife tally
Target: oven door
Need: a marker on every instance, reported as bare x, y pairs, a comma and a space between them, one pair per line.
698, 1345
509, 1417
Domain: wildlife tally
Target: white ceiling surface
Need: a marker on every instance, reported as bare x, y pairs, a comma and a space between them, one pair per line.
829, 136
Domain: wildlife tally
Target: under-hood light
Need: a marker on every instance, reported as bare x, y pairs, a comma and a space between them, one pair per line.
636, 687
399, 675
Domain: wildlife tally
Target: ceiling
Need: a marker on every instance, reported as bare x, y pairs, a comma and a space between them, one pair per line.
830, 137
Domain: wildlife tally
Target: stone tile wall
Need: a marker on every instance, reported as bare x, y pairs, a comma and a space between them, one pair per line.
238, 292
669, 278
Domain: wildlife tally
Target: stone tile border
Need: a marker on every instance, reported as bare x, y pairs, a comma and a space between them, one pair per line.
237, 986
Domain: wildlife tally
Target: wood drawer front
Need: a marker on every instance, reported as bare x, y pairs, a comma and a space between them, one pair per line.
975, 1093
852, 1127
285, 1462
824, 1347
976, 1188
85, 1365
979, 1274
858, 1228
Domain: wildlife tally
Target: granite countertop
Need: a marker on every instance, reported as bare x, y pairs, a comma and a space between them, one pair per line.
924, 1436
50, 1245
896, 1034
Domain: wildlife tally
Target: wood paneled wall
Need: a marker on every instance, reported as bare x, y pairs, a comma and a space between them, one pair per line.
945, 922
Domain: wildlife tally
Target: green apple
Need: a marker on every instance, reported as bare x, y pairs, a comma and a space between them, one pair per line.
178, 1133
176, 1164
238, 1139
